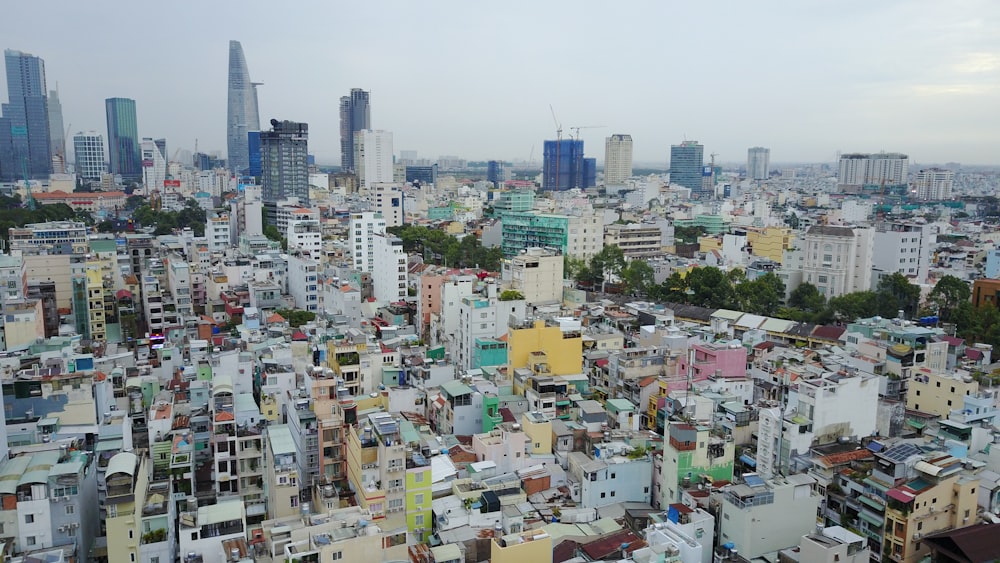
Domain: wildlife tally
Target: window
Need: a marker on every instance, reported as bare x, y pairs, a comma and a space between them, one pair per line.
418, 499
130, 533
338, 555
612, 493
29, 518
603, 494
70, 509
418, 478
131, 557
71, 532
293, 501
30, 540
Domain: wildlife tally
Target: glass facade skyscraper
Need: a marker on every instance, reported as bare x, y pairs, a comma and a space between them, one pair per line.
284, 170
242, 115
123, 138
24, 128
355, 115
686, 160
565, 167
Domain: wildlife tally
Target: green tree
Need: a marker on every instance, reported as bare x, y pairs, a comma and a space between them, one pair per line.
688, 235
671, 290
853, 306
807, 298
608, 263
638, 276
511, 295
896, 293
296, 317
710, 287
106, 226
948, 293
762, 296
572, 267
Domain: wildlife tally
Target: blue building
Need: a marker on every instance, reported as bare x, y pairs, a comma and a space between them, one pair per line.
123, 138
242, 114
495, 172
253, 147
564, 166
24, 128
686, 161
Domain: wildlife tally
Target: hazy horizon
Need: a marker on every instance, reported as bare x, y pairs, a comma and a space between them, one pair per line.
476, 81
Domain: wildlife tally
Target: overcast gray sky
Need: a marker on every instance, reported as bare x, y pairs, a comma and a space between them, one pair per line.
476, 79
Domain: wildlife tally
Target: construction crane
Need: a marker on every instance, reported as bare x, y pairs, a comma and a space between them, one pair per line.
27, 183
555, 179
577, 129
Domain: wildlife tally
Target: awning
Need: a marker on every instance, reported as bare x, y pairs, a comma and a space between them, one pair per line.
748, 460
916, 423
871, 519
872, 503
562, 403
901, 496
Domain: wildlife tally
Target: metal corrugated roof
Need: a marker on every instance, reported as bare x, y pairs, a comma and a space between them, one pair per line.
123, 462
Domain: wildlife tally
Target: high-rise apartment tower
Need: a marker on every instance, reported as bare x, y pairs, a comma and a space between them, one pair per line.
355, 115
617, 159
758, 163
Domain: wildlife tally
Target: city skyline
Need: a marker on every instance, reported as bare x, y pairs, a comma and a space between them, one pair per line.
791, 79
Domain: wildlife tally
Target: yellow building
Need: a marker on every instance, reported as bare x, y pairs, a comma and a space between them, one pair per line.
940, 498
708, 244
562, 346
127, 481
938, 393
770, 242
418, 500
539, 431
534, 546
363, 473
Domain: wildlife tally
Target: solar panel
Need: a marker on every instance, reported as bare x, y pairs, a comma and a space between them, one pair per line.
901, 452
753, 480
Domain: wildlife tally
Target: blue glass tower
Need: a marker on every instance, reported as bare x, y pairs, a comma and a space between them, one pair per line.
123, 138
563, 167
686, 160
25, 148
253, 146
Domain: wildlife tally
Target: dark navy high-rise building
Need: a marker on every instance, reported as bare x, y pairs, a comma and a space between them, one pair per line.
25, 147
253, 147
564, 166
284, 152
495, 172
355, 115
686, 160
123, 138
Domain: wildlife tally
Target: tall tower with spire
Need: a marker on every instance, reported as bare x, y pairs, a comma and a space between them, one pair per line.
242, 116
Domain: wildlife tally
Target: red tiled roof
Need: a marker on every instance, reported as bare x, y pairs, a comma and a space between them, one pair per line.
299, 336
844, 457
828, 332
973, 354
275, 318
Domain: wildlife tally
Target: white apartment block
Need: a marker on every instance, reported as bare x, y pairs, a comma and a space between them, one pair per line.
364, 227
537, 274
305, 234
303, 281
586, 235
388, 199
617, 159
88, 149
389, 273
934, 184
484, 317
373, 157
289, 210
837, 260
903, 248
154, 166
217, 233
859, 169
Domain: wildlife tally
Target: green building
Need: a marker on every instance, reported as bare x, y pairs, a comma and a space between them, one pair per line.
692, 454
533, 230
713, 224
489, 352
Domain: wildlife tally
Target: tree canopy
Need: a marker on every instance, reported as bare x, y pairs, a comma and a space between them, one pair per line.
438, 247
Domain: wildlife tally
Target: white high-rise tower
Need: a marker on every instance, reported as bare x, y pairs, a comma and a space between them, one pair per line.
758, 163
617, 159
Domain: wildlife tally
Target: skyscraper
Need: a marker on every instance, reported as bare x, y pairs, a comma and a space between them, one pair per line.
934, 184
758, 163
686, 160
495, 172
373, 157
88, 149
57, 137
860, 169
355, 115
123, 138
24, 127
243, 116
284, 171
617, 159
565, 167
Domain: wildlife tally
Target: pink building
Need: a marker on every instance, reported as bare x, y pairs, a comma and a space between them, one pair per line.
719, 360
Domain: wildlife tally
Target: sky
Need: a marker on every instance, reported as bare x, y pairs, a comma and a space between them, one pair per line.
478, 79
